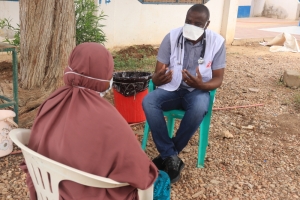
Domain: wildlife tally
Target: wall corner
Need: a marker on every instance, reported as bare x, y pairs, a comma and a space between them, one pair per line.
228, 26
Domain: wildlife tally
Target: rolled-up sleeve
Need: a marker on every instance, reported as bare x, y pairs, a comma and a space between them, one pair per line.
219, 60
164, 51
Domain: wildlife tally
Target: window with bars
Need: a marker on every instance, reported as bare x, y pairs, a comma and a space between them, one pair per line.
174, 1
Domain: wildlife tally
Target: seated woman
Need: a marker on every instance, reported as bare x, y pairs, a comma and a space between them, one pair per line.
77, 127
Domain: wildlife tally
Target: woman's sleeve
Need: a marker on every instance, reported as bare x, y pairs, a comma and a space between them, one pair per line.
132, 165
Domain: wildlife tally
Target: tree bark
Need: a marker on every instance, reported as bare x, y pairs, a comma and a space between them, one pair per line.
47, 32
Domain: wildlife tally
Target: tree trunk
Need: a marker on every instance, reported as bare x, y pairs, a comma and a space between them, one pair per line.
47, 31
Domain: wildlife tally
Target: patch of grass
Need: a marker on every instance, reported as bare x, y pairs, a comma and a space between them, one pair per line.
128, 63
144, 52
297, 100
280, 81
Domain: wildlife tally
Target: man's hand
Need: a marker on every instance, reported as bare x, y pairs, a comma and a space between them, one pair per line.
161, 76
196, 81
193, 81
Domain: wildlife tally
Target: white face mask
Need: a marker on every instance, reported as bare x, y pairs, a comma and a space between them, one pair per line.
110, 86
192, 32
101, 93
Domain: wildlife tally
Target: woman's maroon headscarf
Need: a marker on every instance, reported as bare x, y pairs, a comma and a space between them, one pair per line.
77, 127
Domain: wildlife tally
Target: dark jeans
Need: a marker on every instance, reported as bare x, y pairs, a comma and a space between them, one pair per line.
194, 103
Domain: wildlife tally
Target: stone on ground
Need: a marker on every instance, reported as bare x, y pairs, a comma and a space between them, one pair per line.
291, 78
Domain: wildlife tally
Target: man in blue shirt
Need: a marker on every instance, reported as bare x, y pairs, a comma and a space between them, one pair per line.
190, 63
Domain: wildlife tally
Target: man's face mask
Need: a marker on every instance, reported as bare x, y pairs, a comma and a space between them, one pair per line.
110, 86
192, 32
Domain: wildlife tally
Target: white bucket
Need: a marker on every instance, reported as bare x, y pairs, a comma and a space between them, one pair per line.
6, 125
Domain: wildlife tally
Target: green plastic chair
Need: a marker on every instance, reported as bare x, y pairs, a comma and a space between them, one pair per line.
178, 114
15, 101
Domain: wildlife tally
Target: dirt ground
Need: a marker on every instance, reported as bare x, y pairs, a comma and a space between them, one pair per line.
258, 159
139, 51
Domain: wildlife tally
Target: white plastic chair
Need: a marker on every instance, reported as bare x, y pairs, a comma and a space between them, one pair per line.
40, 167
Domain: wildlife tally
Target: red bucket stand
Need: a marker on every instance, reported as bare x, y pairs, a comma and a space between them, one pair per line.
130, 107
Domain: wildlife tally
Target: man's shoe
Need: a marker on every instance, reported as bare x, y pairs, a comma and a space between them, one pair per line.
173, 166
158, 161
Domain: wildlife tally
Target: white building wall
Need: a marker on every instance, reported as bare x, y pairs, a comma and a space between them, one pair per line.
298, 12
245, 2
281, 9
131, 22
10, 10
257, 8
286, 9
230, 10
